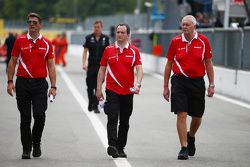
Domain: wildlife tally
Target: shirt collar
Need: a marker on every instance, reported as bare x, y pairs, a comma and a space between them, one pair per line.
185, 40
117, 46
34, 40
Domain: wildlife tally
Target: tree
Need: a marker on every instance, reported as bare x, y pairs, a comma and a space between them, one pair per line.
18, 9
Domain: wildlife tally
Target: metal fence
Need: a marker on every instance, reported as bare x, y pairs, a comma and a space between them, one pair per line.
230, 47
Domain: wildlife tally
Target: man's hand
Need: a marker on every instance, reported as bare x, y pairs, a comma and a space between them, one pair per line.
52, 92
11, 88
99, 94
166, 93
137, 89
85, 67
210, 91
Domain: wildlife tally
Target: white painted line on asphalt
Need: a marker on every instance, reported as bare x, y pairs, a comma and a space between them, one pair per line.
230, 100
98, 126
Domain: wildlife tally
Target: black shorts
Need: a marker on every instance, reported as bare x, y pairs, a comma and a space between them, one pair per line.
188, 95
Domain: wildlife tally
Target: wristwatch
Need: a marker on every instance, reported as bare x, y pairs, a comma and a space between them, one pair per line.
211, 85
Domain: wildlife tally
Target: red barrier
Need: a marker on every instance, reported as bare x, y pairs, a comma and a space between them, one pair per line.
157, 50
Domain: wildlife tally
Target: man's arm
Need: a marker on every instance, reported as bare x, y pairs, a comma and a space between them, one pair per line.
167, 73
52, 76
84, 59
210, 74
100, 78
11, 71
139, 71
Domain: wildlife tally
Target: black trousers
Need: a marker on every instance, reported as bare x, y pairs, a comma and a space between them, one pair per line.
91, 82
118, 107
31, 93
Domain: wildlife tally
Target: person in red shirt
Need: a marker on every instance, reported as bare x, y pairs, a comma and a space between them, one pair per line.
119, 60
55, 42
63, 45
35, 55
189, 57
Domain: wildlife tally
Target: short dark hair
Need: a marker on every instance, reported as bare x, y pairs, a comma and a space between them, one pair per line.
32, 14
126, 25
98, 22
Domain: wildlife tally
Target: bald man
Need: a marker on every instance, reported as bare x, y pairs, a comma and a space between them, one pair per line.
189, 57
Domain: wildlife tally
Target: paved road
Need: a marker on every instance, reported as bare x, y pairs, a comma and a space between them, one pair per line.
74, 137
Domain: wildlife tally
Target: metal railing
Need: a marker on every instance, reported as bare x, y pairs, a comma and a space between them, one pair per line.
230, 47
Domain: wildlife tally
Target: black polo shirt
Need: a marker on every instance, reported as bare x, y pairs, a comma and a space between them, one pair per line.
96, 48
9, 43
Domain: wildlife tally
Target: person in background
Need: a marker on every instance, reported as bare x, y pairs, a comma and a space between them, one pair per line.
189, 57
63, 47
119, 60
2, 51
94, 44
36, 57
9, 43
218, 22
55, 42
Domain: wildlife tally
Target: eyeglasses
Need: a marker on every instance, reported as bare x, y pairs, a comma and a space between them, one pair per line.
120, 32
32, 22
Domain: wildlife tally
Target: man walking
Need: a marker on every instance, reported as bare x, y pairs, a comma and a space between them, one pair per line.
119, 59
35, 55
189, 57
95, 44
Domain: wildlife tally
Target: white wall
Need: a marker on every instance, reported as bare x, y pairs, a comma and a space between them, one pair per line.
232, 83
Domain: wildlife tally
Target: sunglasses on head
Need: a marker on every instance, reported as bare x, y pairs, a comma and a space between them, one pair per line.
32, 22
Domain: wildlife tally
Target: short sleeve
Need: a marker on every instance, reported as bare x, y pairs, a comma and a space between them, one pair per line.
137, 57
50, 54
16, 48
104, 60
208, 51
85, 44
171, 51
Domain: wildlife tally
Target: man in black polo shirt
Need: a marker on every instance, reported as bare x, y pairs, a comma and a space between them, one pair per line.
95, 44
9, 43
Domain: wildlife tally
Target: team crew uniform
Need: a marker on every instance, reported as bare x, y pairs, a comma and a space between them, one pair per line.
188, 90
95, 49
31, 85
119, 99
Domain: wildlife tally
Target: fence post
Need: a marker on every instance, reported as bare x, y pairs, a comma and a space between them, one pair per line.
226, 43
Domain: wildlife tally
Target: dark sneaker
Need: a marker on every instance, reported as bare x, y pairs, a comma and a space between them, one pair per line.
90, 107
121, 153
37, 150
96, 111
191, 145
112, 151
183, 154
26, 154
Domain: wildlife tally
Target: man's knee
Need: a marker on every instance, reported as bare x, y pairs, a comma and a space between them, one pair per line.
196, 120
39, 117
182, 115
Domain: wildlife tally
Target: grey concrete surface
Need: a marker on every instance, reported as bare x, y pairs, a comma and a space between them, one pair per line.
70, 140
